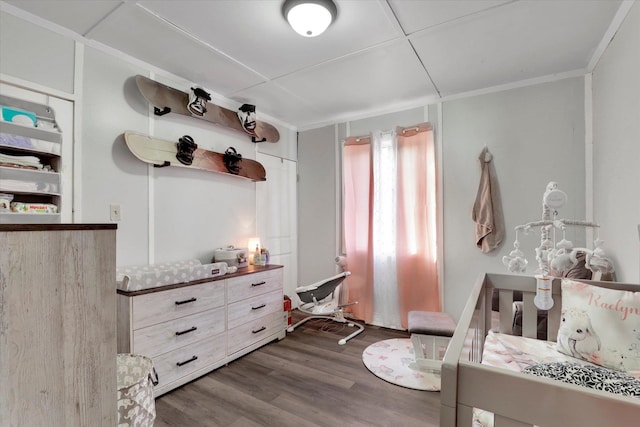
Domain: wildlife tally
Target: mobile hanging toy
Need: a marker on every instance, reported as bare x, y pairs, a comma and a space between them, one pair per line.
552, 255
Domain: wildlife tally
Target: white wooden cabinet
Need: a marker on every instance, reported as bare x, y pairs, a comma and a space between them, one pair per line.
173, 334
255, 310
191, 329
58, 325
276, 200
157, 307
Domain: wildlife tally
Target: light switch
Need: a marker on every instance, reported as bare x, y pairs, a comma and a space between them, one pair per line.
116, 214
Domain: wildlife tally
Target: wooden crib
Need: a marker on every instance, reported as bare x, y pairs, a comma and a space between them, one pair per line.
518, 399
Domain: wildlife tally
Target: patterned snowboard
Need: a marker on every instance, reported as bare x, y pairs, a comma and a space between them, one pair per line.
164, 153
166, 99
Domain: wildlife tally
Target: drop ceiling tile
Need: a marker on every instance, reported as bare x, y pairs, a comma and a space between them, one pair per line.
273, 100
519, 41
363, 63
134, 31
383, 76
78, 16
417, 15
256, 34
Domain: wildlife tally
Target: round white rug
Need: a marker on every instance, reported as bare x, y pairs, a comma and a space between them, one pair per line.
393, 361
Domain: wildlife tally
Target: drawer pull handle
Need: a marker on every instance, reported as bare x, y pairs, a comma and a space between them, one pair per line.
193, 359
153, 377
259, 307
259, 330
186, 301
187, 331
258, 284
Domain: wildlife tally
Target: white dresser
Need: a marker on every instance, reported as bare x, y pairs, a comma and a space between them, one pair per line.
193, 328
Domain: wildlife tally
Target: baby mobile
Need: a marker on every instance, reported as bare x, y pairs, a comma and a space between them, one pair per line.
552, 255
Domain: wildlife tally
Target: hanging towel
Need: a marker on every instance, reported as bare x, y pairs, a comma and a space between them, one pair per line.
487, 209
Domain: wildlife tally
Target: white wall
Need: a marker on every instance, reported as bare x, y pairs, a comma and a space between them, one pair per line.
536, 134
386, 122
167, 213
318, 244
109, 174
32, 53
616, 140
319, 188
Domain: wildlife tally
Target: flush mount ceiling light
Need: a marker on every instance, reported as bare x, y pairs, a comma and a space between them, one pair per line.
309, 18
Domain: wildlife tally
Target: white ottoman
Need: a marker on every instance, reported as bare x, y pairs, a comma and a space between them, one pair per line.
431, 332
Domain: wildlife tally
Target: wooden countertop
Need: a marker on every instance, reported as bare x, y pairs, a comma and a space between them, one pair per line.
56, 227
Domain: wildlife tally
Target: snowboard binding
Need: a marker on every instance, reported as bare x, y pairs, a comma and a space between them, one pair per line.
231, 160
198, 99
186, 147
195, 102
247, 116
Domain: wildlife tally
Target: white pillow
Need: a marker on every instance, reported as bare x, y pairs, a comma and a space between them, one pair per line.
600, 325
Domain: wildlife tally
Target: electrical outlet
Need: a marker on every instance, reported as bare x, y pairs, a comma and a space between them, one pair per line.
116, 214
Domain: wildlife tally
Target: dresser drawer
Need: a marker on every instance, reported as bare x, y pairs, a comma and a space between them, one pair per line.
157, 307
252, 332
185, 360
173, 334
254, 284
250, 309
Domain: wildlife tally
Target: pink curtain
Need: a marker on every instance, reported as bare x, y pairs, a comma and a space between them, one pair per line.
416, 263
416, 221
358, 203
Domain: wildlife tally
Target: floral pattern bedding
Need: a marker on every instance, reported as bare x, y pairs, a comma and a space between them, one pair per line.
537, 357
517, 353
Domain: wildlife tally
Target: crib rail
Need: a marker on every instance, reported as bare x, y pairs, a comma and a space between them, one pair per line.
508, 287
466, 344
517, 399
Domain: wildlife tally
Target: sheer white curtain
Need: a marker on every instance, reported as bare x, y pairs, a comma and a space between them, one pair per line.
386, 307
389, 224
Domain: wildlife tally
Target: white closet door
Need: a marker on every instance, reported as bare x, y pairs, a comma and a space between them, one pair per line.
276, 216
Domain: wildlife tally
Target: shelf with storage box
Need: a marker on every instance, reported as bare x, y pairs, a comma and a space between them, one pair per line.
30, 163
190, 329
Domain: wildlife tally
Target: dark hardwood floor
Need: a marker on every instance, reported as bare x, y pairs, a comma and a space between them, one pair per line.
307, 379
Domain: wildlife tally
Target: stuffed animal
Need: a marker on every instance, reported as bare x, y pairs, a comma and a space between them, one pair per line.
515, 262
576, 336
562, 258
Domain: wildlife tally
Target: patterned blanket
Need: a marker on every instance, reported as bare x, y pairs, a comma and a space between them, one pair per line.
541, 358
